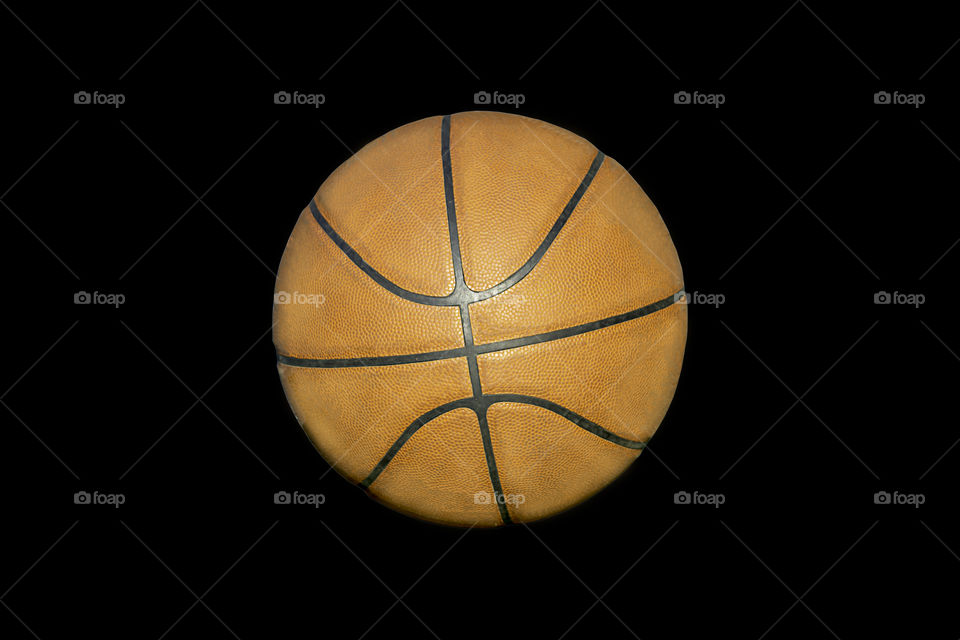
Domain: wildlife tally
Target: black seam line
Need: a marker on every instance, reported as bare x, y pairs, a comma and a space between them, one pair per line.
409, 431
372, 361
584, 423
480, 406
586, 327
470, 351
551, 235
461, 293
460, 286
370, 271
375, 361
492, 464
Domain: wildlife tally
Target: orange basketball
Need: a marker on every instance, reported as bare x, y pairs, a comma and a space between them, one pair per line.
479, 319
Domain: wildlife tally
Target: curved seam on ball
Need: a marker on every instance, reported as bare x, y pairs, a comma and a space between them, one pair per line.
479, 406
461, 294
490, 347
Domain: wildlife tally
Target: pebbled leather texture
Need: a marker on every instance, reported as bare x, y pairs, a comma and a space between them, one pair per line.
621, 377
613, 254
404, 236
337, 311
353, 415
382, 379
546, 463
512, 176
441, 475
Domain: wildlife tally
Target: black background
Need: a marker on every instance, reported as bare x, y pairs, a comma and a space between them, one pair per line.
797, 200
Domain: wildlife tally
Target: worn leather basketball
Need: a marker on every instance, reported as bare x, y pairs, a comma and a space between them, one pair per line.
479, 318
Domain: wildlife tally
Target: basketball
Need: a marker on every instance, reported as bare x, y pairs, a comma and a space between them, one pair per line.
480, 319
